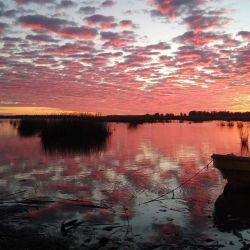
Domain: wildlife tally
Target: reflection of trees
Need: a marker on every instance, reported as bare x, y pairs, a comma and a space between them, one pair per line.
67, 136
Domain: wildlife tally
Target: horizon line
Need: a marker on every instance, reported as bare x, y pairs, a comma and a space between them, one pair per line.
97, 114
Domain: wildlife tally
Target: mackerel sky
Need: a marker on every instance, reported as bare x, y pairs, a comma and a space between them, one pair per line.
124, 56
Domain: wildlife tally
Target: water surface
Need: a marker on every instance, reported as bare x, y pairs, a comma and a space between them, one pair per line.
121, 194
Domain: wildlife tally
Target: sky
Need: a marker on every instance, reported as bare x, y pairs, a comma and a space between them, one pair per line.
124, 56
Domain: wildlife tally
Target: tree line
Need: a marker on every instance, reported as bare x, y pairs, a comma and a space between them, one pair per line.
196, 116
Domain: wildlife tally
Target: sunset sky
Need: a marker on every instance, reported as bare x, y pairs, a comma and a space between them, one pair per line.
124, 56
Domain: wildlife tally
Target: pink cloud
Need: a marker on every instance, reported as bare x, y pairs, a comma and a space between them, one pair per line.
66, 4
105, 22
118, 71
68, 48
125, 24
40, 38
172, 8
245, 35
158, 46
108, 3
19, 2
58, 26
199, 39
39, 22
198, 23
82, 32
113, 39
135, 60
88, 10
165, 8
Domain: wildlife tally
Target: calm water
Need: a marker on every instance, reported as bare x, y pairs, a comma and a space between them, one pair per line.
106, 192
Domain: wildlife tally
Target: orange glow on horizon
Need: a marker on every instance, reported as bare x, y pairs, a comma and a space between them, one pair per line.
56, 111
36, 111
243, 104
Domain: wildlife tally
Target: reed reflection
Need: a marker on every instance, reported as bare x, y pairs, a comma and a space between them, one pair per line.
67, 136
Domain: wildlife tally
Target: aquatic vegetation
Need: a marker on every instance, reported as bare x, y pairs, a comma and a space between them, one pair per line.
240, 124
30, 127
230, 124
68, 135
222, 124
244, 134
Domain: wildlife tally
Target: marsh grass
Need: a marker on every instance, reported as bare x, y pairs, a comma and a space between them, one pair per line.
244, 135
67, 135
230, 124
240, 125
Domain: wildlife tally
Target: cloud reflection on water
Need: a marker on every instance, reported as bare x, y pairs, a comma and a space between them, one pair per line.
136, 166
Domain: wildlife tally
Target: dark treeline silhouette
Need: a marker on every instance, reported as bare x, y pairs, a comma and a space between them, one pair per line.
221, 115
195, 116
66, 136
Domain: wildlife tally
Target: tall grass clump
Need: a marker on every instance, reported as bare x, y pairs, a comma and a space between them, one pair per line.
230, 124
67, 135
244, 135
30, 127
240, 125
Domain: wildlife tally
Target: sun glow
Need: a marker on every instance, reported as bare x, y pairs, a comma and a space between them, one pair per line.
32, 111
241, 104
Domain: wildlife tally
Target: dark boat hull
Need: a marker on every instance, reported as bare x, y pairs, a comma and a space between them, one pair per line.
231, 162
235, 169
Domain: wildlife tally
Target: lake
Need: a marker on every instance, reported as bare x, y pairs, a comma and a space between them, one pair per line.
147, 187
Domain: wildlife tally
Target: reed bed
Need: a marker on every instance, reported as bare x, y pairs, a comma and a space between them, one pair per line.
244, 135
67, 135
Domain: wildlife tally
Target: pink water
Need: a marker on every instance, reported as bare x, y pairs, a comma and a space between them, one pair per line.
138, 165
